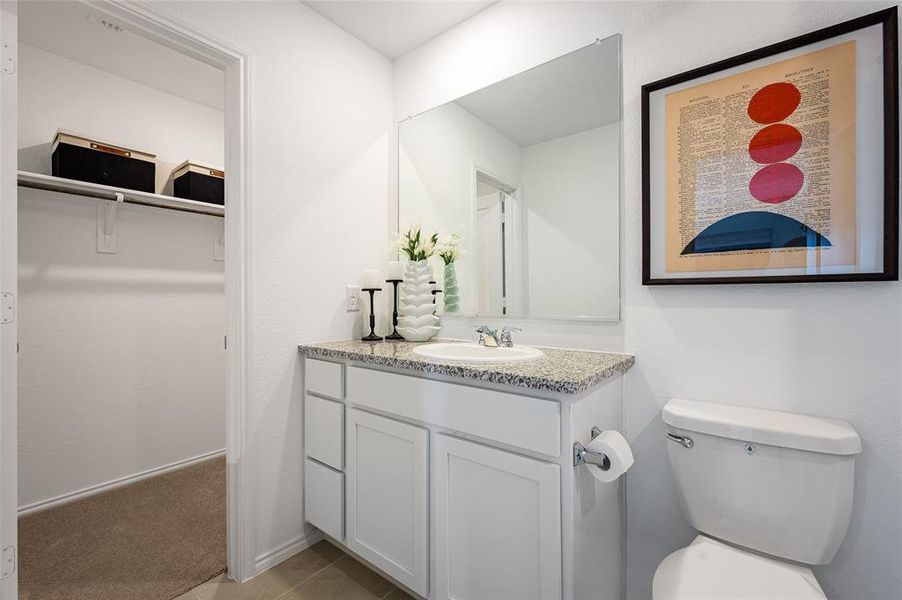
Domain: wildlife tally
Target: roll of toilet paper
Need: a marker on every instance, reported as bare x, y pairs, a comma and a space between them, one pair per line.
618, 451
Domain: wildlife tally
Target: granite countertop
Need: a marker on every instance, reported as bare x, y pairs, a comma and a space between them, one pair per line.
561, 371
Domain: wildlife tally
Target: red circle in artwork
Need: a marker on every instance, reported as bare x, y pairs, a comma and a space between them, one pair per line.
776, 183
775, 143
774, 102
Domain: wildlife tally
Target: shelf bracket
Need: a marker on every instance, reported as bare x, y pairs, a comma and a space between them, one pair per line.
107, 230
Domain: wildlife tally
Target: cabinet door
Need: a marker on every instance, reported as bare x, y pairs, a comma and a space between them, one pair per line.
387, 503
497, 523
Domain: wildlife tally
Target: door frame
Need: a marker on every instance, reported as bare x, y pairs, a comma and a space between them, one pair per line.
239, 381
236, 65
9, 226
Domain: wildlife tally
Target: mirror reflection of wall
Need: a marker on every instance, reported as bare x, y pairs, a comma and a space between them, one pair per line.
528, 172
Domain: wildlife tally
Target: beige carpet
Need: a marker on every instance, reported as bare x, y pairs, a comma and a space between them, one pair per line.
151, 540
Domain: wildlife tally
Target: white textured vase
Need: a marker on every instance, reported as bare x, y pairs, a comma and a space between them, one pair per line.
417, 321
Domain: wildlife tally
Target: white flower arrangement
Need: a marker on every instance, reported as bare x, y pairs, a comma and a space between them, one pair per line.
448, 248
416, 245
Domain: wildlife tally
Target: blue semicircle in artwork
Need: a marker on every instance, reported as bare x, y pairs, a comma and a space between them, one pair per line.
755, 230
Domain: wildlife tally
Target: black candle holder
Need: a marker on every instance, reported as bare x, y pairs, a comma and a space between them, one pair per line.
372, 337
435, 294
394, 335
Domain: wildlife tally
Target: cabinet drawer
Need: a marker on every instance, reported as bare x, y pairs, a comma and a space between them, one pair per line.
324, 504
324, 431
324, 378
519, 421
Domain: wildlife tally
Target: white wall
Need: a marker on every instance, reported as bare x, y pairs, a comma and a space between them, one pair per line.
438, 152
571, 215
321, 123
824, 349
121, 366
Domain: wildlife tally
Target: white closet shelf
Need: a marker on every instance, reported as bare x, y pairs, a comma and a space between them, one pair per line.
95, 190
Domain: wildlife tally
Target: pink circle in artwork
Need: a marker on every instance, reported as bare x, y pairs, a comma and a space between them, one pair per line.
776, 183
775, 143
774, 102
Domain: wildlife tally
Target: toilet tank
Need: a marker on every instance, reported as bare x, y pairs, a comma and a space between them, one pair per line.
774, 482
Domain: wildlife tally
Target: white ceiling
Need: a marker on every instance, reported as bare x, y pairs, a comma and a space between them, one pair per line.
395, 28
573, 93
74, 30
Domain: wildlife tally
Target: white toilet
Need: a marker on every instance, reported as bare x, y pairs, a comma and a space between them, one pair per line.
766, 490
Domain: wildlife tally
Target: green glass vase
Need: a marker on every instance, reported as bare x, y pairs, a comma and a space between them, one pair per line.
451, 293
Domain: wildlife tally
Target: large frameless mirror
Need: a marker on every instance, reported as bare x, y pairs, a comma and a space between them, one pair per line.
525, 174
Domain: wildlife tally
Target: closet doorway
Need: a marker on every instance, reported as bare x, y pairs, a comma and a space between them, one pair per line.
131, 310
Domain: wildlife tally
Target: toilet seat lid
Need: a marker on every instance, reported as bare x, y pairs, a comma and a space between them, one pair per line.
711, 570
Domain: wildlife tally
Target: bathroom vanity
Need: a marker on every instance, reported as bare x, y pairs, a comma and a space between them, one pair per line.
457, 480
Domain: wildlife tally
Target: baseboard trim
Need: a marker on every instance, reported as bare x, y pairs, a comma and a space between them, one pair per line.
109, 485
269, 559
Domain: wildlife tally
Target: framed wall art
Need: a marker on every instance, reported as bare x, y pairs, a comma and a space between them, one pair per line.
778, 165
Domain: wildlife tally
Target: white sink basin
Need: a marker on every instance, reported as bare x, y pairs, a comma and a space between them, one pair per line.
464, 352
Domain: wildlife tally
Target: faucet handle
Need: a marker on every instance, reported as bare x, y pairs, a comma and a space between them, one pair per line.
505, 338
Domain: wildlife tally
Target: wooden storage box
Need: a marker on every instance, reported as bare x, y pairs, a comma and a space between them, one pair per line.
84, 159
197, 182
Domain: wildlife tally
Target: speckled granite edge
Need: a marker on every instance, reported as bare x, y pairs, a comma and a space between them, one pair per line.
559, 371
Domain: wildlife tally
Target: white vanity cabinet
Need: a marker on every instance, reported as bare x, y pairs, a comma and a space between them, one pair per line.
387, 496
458, 489
497, 523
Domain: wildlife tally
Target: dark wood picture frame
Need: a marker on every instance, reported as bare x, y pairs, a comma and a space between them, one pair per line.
889, 20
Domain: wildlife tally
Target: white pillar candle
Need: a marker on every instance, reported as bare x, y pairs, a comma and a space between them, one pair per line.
396, 270
371, 279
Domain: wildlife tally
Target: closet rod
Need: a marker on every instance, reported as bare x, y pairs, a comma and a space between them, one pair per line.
105, 192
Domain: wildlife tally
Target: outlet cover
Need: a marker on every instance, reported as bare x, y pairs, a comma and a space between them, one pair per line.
352, 298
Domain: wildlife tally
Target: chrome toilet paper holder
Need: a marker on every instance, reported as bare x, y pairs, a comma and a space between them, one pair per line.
581, 454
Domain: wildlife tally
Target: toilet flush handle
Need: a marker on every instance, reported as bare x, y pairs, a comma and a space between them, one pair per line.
682, 440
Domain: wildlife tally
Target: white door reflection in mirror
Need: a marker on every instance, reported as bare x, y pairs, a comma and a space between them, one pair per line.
489, 253
527, 170
493, 203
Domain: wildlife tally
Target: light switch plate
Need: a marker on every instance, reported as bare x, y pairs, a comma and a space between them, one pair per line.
352, 298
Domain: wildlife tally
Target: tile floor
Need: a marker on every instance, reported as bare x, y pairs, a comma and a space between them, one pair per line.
321, 572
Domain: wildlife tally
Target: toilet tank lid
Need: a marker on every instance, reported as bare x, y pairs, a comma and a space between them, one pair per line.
774, 428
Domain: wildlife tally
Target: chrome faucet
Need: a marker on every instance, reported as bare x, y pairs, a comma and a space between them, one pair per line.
489, 336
